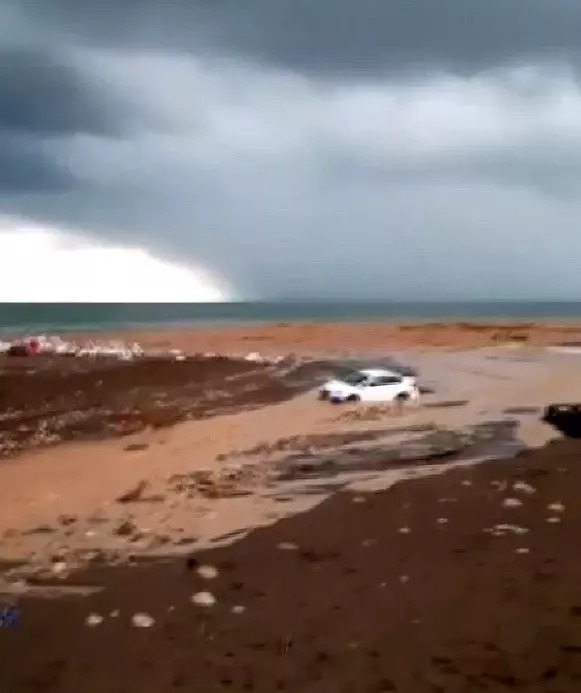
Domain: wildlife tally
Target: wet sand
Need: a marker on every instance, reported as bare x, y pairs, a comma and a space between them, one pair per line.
265, 453
69, 498
463, 581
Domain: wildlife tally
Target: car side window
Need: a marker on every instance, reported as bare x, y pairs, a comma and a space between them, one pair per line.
387, 380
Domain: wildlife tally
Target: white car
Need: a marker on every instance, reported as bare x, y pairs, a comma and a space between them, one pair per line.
371, 385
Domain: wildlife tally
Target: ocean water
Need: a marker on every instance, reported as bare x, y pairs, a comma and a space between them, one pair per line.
62, 317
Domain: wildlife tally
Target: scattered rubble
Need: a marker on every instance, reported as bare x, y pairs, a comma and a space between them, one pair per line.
218, 483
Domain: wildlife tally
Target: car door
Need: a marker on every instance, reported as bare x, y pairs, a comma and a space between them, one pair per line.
384, 388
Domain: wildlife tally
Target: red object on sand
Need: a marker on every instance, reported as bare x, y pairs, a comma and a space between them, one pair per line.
33, 346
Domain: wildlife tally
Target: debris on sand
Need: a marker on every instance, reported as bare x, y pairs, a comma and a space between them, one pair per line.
511, 503
93, 620
126, 528
220, 483
523, 487
135, 494
503, 529
142, 620
207, 572
205, 599
287, 546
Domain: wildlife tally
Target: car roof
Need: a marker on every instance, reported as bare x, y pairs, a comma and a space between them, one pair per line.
376, 372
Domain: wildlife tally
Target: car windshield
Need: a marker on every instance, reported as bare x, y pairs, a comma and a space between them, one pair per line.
354, 378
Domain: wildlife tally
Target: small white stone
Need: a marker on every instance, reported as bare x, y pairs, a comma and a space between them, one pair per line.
94, 620
114, 614
359, 499
403, 578
501, 530
511, 502
466, 482
522, 549
287, 546
142, 620
238, 609
404, 530
443, 520
208, 572
59, 567
556, 507
553, 520
524, 487
203, 599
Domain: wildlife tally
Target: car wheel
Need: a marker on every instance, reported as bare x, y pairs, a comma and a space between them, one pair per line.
353, 398
402, 397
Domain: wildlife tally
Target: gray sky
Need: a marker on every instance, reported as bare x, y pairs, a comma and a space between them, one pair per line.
363, 149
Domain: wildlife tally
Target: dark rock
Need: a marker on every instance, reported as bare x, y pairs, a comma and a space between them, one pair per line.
66, 520
135, 494
566, 418
40, 529
126, 528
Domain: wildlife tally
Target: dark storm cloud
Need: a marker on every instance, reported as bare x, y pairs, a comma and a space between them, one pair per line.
331, 36
304, 147
43, 98
41, 93
26, 168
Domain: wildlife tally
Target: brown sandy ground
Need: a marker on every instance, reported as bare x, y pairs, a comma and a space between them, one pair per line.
163, 489
467, 581
318, 337
48, 400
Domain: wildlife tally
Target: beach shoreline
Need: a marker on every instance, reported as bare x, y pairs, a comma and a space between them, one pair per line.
317, 337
